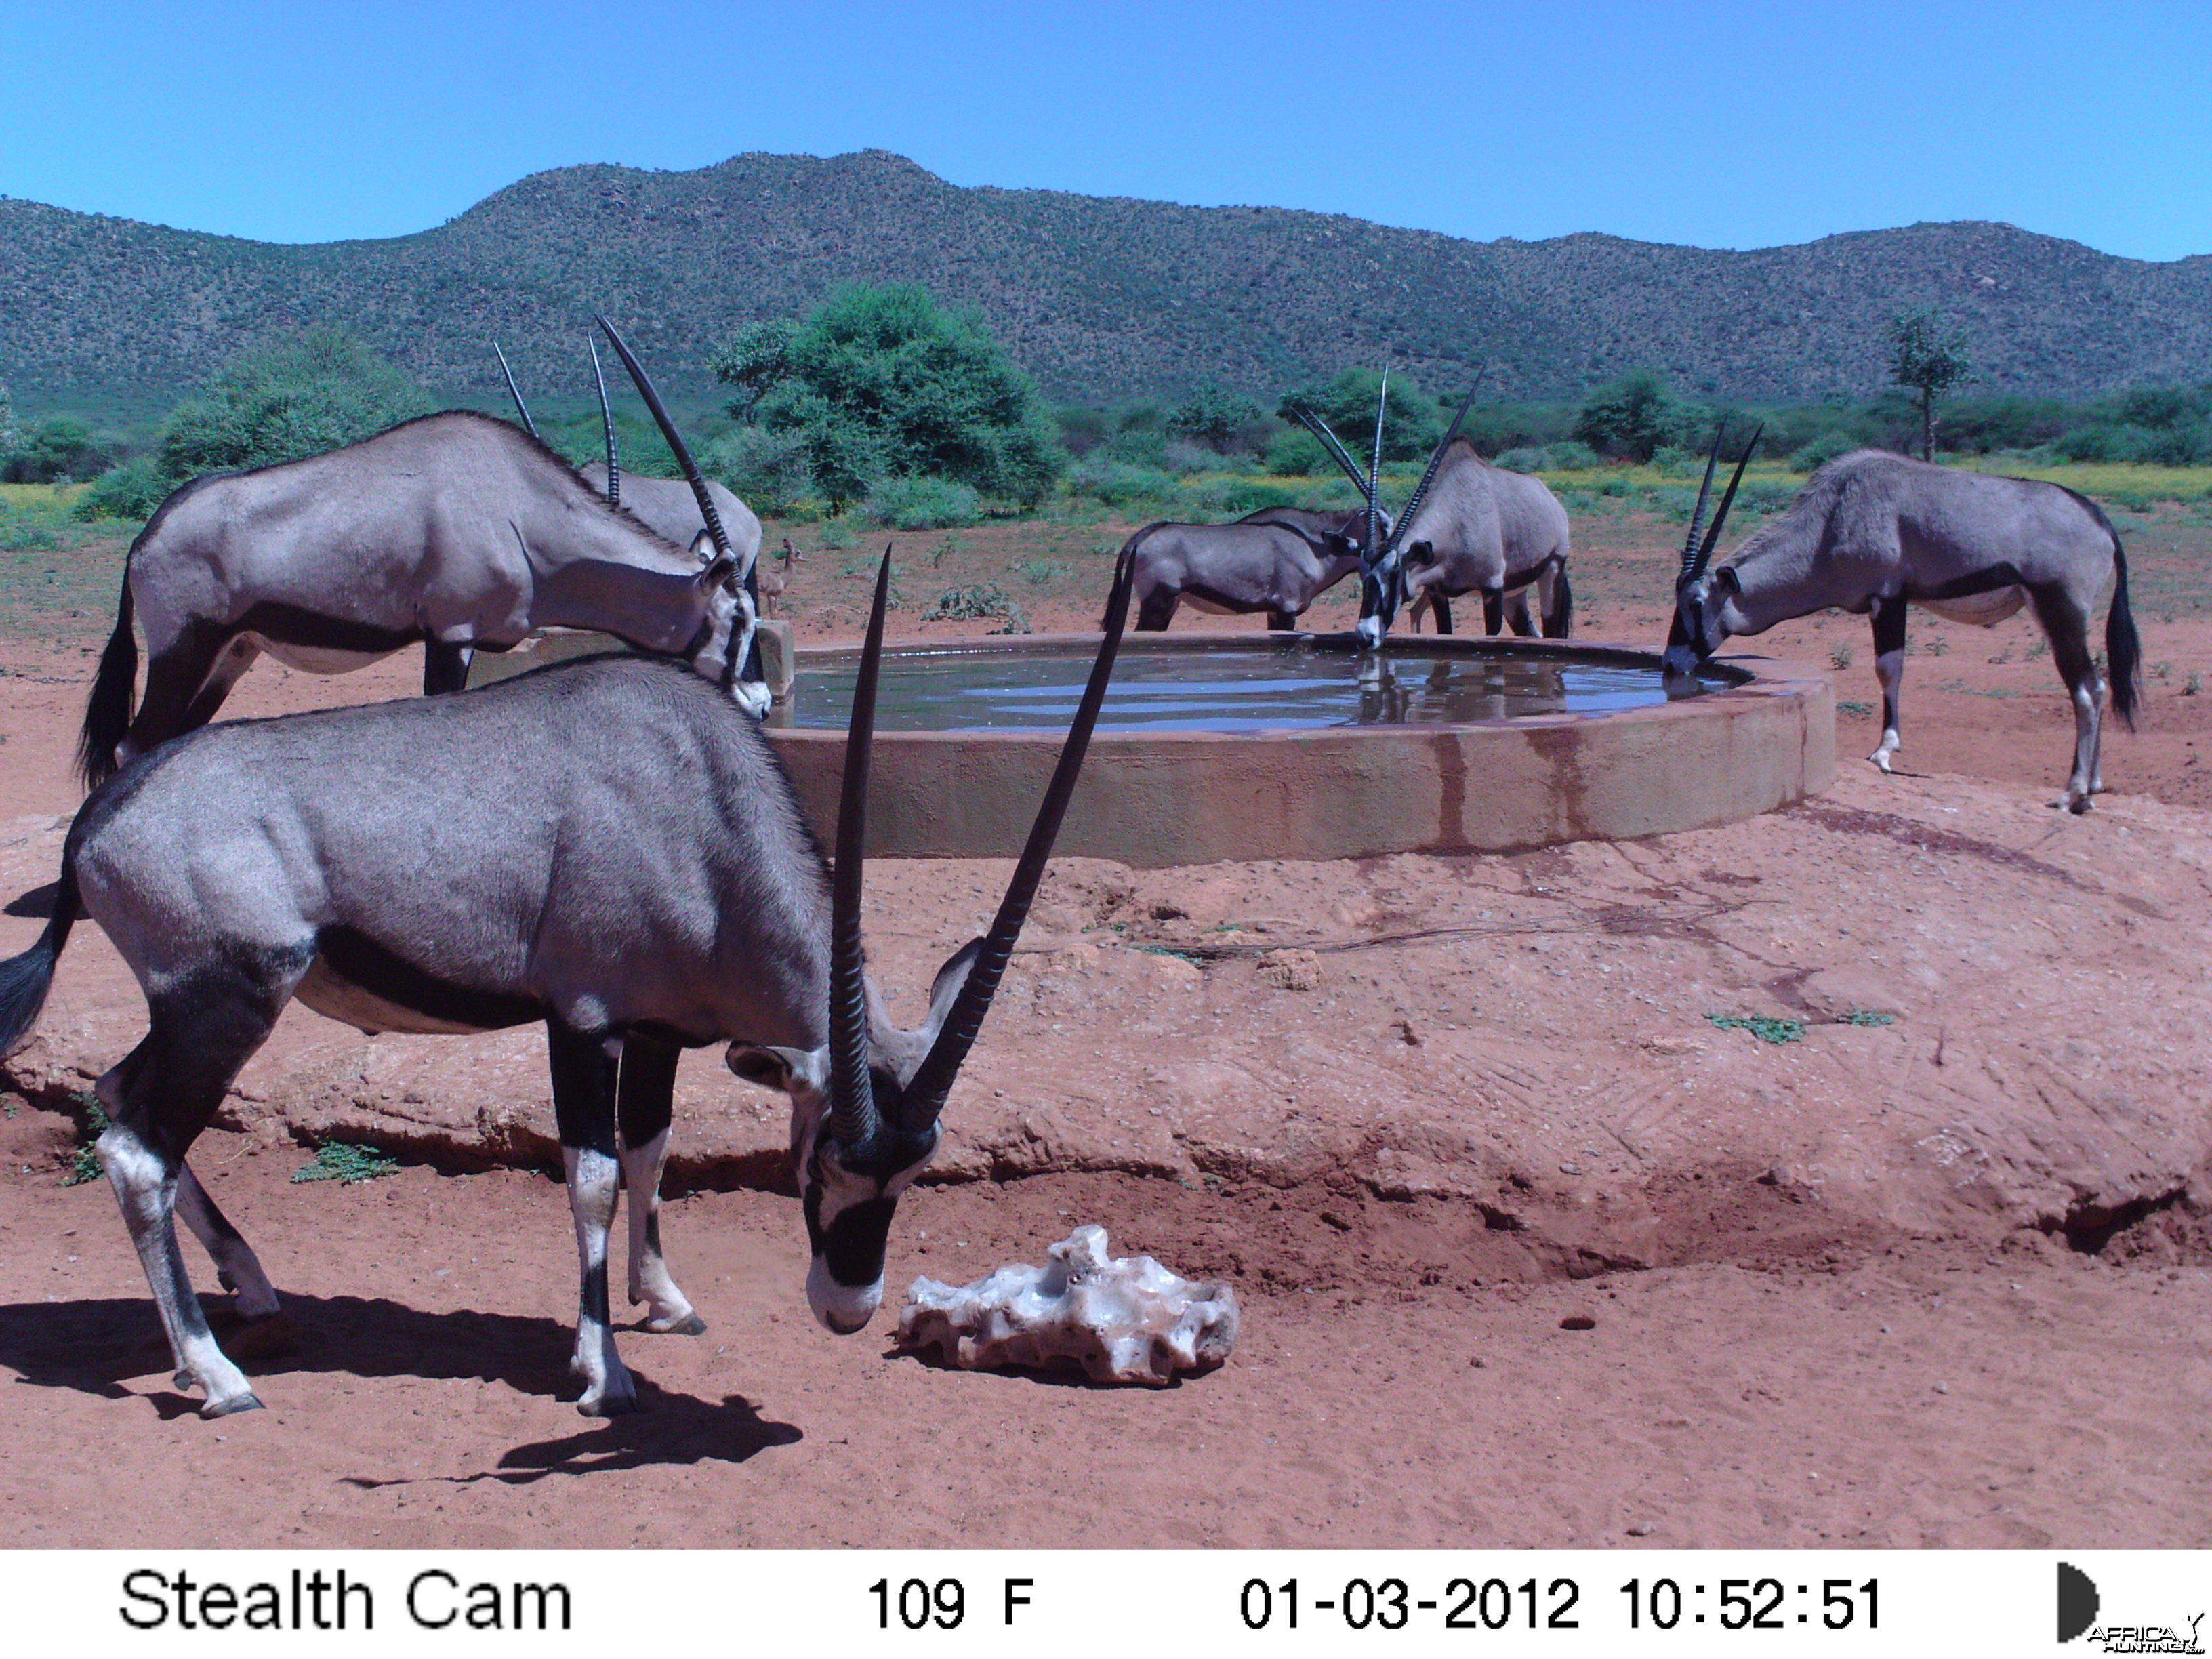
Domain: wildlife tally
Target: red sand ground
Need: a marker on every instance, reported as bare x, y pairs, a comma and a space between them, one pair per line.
1924, 1283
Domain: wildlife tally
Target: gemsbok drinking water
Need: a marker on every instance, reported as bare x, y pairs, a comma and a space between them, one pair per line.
608, 845
1469, 527
1871, 533
455, 530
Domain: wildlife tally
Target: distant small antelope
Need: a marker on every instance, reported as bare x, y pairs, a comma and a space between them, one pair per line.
1872, 532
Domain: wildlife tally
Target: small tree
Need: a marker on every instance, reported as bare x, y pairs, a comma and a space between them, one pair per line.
1214, 416
1929, 358
1411, 424
886, 383
1635, 417
318, 392
8, 434
756, 359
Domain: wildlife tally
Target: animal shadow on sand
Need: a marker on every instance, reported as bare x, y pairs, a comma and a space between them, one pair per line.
93, 1347
1069, 1375
37, 903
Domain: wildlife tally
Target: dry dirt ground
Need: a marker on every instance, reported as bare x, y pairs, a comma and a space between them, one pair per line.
1935, 1277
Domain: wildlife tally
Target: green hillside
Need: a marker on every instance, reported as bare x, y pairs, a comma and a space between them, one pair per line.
1100, 298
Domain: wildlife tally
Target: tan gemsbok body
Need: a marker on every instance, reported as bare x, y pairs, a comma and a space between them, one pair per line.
455, 530
1278, 560
606, 846
1469, 527
1872, 532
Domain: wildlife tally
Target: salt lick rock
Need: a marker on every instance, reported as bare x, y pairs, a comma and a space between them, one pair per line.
1122, 1319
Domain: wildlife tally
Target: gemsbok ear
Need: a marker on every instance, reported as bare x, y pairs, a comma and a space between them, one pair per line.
789, 1071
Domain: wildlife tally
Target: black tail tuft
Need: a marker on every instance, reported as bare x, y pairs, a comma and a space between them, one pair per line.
107, 715
2123, 649
1560, 620
24, 979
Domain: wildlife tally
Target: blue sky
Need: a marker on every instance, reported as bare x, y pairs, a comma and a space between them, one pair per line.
1724, 125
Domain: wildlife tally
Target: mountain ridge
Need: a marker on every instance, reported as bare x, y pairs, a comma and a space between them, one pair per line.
1100, 297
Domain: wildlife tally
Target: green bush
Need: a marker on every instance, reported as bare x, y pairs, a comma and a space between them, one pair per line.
61, 449
1822, 450
1295, 453
131, 491
885, 383
1215, 417
923, 504
1410, 425
767, 471
1637, 416
2094, 440
318, 392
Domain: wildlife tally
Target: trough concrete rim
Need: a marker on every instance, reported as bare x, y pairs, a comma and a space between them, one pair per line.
1152, 799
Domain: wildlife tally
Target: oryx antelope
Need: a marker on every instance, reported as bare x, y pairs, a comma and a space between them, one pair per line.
455, 530
666, 507
1872, 532
607, 844
1469, 527
1278, 559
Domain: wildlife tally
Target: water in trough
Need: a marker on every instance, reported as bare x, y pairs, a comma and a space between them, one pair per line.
1277, 687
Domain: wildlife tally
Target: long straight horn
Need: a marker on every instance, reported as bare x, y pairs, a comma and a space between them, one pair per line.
725, 561
932, 1080
1328, 440
607, 425
1435, 459
515, 392
1367, 553
852, 1091
1719, 518
1697, 517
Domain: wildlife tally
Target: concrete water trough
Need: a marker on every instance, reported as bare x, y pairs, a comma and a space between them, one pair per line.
1246, 745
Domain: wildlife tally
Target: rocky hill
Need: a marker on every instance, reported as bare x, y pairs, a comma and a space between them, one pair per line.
1101, 297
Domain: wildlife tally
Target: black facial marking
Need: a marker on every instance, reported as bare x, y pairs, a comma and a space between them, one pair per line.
384, 974
853, 1244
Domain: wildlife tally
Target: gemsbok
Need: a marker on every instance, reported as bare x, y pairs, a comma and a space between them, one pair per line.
455, 530
1278, 560
1873, 532
1469, 527
607, 844
666, 507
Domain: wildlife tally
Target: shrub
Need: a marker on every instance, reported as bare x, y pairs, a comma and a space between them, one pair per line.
1295, 453
1183, 456
1214, 417
886, 383
1822, 450
2094, 440
767, 471
1635, 417
61, 449
318, 392
1411, 423
922, 504
131, 491
1524, 461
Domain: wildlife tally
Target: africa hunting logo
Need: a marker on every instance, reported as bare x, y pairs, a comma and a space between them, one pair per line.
2078, 1606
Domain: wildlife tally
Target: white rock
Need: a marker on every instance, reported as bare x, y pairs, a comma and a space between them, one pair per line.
1121, 1319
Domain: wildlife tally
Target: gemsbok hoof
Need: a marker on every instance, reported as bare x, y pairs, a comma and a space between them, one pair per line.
610, 1404
232, 1406
690, 1325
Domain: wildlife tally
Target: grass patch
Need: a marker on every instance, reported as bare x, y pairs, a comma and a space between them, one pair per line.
91, 1124
1862, 709
984, 600
1765, 1028
1867, 1016
337, 1160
